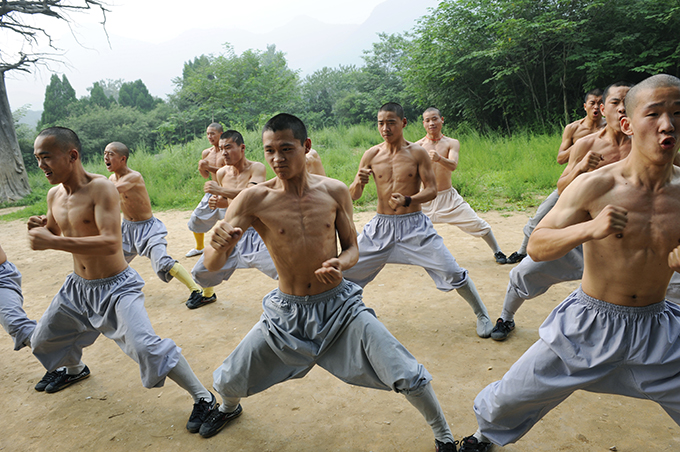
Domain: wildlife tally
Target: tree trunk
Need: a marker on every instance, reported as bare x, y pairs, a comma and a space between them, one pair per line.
13, 177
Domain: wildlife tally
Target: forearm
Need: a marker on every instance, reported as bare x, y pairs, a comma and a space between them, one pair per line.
230, 193
425, 195
214, 259
88, 246
563, 155
448, 164
356, 189
547, 244
348, 258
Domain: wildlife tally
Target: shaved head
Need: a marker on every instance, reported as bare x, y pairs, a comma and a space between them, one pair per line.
653, 82
120, 149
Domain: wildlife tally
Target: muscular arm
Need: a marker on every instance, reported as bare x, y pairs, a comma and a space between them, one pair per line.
126, 182
570, 224
106, 218
450, 162
204, 166
356, 188
228, 232
567, 142
331, 270
429, 188
581, 160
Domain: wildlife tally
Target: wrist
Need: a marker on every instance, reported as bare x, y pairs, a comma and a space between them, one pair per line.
407, 201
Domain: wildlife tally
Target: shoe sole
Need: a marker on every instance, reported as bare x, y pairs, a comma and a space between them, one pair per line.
47, 390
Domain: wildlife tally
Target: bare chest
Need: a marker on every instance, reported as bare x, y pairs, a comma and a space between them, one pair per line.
395, 170
74, 215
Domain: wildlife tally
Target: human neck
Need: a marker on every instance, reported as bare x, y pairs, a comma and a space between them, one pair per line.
434, 138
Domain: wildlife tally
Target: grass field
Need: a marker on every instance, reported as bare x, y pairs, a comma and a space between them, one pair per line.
494, 172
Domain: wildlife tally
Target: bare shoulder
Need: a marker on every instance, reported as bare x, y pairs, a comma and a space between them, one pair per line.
595, 184
206, 152
256, 166
416, 150
372, 152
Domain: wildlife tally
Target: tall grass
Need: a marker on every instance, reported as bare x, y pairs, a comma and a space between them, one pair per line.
494, 172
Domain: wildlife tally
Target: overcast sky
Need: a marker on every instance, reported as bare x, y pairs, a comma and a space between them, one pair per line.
156, 27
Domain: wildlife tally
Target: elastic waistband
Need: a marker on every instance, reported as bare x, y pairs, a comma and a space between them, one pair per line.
103, 281
448, 189
403, 215
139, 222
603, 306
318, 298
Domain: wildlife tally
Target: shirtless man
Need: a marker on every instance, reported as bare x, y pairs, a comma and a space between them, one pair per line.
143, 234
593, 121
315, 316
531, 279
314, 164
449, 207
400, 233
615, 334
238, 174
204, 218
103, 295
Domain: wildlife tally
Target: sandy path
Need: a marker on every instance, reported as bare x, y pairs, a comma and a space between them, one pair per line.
112, 411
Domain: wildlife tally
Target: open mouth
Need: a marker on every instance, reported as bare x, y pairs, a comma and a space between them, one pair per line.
668, 143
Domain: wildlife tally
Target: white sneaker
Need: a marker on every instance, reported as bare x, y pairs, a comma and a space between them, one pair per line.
193, 253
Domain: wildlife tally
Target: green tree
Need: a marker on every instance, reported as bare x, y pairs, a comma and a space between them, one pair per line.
98, 97
59, 94
135, 94
238, 88
517, 64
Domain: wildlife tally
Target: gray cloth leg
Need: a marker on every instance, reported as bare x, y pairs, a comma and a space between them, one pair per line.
470, 294
187, 380
426, 402
511, 304
490, 240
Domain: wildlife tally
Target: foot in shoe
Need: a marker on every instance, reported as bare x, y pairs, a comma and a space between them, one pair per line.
65, 380
217, 420
502, 329
472, 444
444, 447
193, 253
48, 378
196, 300
516, 257
484, 326
200, 413
500, 258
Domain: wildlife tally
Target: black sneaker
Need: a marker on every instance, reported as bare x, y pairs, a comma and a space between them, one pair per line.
444, 447
516, 257
196, 300
64, 380
48, 378
502, 329
200, 413
500, 258
217, 420
471, 444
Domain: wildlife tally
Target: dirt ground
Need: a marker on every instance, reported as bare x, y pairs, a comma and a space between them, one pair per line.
112, 411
